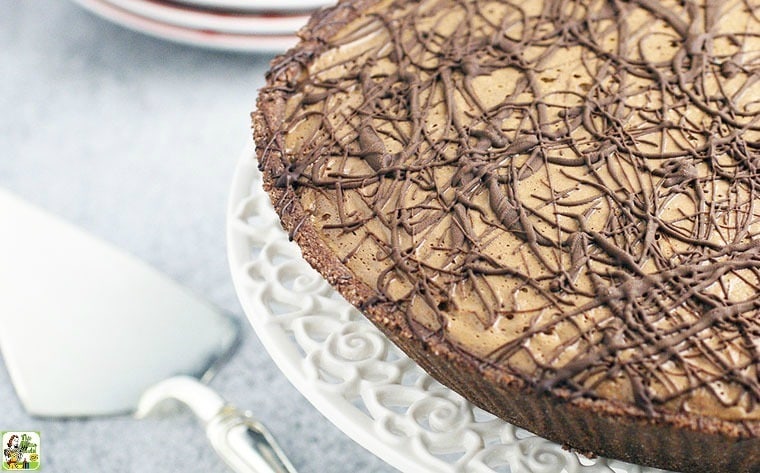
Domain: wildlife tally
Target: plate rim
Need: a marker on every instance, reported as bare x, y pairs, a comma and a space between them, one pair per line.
240, 43
217, 21
246, 5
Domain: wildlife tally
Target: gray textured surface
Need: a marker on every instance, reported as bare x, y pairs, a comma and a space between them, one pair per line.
136, 140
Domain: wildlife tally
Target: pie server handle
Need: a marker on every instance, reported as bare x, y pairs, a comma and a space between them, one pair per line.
237, 437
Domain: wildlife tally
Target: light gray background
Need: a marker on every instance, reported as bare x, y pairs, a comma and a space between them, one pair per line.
136, 140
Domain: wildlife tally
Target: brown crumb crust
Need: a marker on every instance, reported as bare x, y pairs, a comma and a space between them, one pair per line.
676, 441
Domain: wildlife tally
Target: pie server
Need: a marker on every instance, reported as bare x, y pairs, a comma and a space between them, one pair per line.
86, 330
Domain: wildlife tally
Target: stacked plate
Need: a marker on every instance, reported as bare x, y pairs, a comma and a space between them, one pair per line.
235, 25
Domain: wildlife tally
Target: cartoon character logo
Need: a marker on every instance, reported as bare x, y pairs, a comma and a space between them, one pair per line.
20, 451
12, 453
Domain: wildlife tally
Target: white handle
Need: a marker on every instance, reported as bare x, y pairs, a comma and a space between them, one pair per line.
239, 439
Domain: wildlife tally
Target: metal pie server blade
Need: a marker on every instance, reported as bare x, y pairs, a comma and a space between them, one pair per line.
85, 330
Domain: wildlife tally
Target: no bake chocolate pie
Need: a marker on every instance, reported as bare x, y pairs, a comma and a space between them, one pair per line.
553, 206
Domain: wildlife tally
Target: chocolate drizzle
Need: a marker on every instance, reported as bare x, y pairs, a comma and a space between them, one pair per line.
579, 178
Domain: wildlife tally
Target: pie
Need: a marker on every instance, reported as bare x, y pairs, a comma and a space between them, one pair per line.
553, 206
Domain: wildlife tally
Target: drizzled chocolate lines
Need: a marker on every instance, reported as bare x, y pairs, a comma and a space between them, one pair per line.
578, 178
